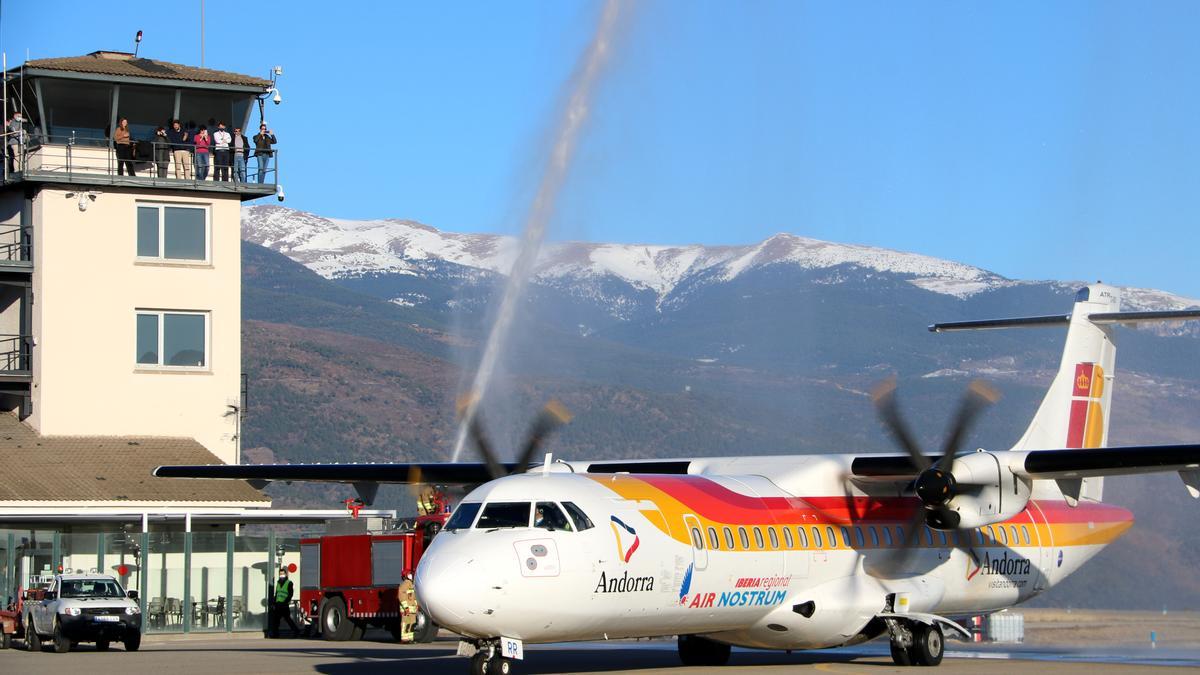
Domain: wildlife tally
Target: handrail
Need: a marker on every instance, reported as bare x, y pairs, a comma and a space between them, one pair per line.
16, 243
94, 156
14, 352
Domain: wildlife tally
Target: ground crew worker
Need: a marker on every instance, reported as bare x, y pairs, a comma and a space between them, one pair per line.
281, 605
408, 610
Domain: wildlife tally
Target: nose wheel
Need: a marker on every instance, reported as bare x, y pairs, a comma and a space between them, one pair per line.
488, 661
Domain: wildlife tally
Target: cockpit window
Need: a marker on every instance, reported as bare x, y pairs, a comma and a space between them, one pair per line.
582, 522
504, 514
463, 516
548, 516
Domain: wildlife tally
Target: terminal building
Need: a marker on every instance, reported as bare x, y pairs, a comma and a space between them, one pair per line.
120, 341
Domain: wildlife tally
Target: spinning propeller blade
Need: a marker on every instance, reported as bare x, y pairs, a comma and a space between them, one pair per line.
935, 485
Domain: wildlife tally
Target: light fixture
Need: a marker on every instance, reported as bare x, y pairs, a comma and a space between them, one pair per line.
85, 198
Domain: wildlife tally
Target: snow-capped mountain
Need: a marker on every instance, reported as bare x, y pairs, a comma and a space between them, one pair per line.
349, 249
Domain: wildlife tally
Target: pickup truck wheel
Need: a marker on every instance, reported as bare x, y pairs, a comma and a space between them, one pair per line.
335, 625
33, 641
61, 644
133, 642
101, 645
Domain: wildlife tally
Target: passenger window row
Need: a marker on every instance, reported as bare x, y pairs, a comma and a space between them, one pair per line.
857, 537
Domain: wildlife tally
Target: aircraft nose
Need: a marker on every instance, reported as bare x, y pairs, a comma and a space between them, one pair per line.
447, 586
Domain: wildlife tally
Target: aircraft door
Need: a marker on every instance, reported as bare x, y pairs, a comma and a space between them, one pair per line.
699, 546
1043, 537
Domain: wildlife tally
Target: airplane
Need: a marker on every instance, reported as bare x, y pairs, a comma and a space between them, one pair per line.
779, 552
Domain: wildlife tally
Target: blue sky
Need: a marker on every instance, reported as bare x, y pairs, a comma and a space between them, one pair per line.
1038, 140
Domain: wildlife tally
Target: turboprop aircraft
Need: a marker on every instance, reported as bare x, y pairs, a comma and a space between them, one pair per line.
779, 552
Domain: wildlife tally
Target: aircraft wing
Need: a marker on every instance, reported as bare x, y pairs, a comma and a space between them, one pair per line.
1056, 464
442, 473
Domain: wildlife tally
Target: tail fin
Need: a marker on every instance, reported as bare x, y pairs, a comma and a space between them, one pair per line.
1074, 413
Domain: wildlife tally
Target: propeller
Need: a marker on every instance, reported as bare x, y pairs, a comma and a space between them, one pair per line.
551, 417
935, 484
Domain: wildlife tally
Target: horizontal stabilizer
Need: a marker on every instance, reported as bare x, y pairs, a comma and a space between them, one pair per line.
1144, 317
461, 473
1015, 322
1127, 318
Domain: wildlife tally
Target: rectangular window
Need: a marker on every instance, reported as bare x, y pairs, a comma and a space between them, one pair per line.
172, 232
172, 339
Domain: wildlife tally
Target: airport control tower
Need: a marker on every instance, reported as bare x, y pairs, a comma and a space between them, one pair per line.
120, 295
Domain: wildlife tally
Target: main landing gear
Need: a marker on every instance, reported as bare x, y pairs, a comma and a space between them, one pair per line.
915, 643
487, 659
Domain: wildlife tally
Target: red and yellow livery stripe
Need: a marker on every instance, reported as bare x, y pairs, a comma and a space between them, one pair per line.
716, 506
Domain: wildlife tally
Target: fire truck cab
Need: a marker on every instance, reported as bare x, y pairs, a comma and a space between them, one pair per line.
351, 577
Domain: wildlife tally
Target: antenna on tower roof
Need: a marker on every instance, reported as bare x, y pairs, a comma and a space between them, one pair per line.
137, 44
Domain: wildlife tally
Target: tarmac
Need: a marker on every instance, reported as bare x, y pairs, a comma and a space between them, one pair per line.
250, 653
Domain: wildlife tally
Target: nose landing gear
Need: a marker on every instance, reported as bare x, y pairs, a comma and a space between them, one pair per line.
487, 659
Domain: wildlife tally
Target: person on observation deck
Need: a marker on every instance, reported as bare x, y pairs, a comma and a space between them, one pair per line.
17, 138
202, 141
181, 150
263, 142
123, 141
240, 147
162, 151
221, 140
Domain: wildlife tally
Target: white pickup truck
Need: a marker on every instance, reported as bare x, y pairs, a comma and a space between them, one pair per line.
83, 608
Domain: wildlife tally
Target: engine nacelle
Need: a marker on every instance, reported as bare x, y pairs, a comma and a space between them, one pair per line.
988, 492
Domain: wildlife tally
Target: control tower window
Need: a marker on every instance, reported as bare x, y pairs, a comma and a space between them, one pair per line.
504, 514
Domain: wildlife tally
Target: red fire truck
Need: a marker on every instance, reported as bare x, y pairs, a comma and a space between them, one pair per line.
350, 577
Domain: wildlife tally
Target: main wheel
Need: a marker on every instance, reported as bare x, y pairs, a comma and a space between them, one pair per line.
335, 625
929, 645
425, 630
499, 666
101, 645
901, 655
33, 641
60, 642
479, 663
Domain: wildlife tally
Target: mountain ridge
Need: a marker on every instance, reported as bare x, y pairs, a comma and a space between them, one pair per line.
341, 249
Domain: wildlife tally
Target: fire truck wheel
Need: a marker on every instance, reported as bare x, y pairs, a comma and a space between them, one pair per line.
5, 640
335, 625
425, 630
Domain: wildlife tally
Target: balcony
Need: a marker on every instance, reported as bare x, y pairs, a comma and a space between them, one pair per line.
15, 366
92, 161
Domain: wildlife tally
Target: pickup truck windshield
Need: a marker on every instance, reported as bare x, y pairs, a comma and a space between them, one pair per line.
91, 588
